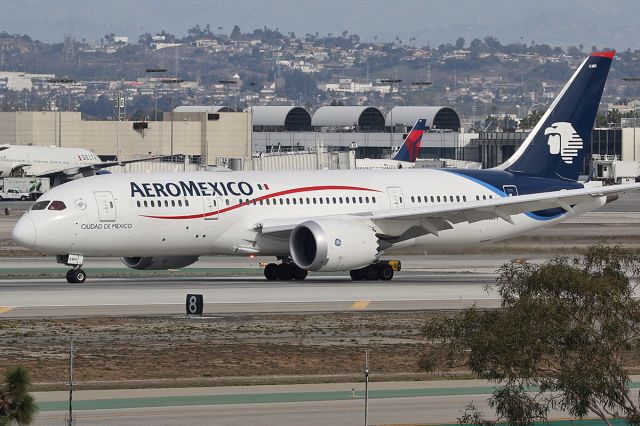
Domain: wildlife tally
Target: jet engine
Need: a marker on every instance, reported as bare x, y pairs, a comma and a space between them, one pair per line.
159, 262
333, 245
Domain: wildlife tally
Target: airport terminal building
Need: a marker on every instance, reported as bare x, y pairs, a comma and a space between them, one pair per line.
209, 135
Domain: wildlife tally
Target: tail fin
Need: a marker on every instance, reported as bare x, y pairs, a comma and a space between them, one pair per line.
555, 146
411, 146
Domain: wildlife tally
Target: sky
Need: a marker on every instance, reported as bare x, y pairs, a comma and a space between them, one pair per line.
603, 23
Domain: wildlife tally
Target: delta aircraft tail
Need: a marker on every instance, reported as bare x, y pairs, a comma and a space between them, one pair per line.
410, 148
555, 148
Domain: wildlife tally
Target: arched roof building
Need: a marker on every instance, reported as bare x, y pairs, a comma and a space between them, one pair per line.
203, 108
438, 117
362, 118
280, 118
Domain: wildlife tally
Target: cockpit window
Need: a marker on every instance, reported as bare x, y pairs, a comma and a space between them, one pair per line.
57, 205
40, 205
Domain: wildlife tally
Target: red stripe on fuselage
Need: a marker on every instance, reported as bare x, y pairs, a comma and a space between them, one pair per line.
264, 197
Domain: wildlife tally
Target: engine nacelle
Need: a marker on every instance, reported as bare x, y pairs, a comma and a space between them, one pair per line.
333, 245
158, 262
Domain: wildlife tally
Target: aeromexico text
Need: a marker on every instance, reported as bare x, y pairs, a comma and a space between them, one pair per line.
191, 188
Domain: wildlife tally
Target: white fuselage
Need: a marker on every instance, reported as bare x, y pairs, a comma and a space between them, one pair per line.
203, 213
39, 160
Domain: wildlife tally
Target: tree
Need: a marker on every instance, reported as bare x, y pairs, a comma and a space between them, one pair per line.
16, 405
530, 120
560, 340
236, 34
460, 43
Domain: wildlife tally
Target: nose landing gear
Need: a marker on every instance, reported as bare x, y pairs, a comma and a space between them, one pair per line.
75, 275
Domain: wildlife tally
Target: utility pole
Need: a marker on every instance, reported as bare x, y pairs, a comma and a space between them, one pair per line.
70, 420
635, 112
366, 387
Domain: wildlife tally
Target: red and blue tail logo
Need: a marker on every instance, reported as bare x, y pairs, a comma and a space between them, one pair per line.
410, 149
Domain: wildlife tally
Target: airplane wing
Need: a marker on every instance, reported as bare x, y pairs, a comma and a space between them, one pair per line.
396, 225
72, 171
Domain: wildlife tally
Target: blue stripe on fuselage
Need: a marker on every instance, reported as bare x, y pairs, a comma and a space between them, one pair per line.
495, 180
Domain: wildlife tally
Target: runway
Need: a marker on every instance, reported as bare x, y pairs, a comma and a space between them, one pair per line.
163, 296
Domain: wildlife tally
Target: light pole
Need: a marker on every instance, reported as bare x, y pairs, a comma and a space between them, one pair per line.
61, 81
156, 71
635, 114
391, 82
171, 81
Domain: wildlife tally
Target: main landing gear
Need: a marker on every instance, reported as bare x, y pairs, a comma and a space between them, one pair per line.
285, 271
382, 270
75, 275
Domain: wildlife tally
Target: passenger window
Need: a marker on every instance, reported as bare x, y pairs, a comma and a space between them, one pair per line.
327, 200
484, 197
477, 198
314, 200
301, 200
340, 200
360, 199
281, 202
457, 198
308, 201
320, 200
227, 201
353, 199
367, 199
438, 198
491, 197
288, 202
268, 202
153, 204
145, 203
346, 200
412, 199
166, 203
451, 198
260, 202
137, 202
373, 199
464, 198
294, 201
419, 199
179, 203
334, 200
432, 198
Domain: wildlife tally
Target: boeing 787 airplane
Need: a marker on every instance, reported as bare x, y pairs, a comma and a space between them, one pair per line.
328, 220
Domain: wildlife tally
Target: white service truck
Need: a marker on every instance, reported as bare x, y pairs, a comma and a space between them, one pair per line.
23, 188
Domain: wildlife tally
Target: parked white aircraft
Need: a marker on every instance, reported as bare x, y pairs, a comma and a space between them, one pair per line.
328, 220
59, 164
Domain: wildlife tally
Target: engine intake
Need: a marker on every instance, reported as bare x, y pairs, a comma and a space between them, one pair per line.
333, 245
158, 262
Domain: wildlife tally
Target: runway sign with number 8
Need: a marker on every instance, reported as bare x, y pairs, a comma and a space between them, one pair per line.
195, 303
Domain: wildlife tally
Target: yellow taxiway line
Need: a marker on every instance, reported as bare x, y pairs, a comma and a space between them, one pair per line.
360, 304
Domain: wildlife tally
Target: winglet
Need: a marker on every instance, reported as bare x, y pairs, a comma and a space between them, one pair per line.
607, 54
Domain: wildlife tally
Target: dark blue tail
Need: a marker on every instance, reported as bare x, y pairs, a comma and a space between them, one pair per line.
555, 148
411, 147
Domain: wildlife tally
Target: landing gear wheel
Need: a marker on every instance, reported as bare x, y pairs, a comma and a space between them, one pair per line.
357, 274
76, 276
299, 274
271, 272
370, 273
385, 272
285, 272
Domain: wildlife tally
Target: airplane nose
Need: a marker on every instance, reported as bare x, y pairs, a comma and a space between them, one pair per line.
24, 233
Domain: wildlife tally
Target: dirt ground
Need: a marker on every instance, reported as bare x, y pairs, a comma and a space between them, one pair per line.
238, 349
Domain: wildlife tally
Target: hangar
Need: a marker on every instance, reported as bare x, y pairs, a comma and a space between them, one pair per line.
438, 117
349, 118
280, 119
